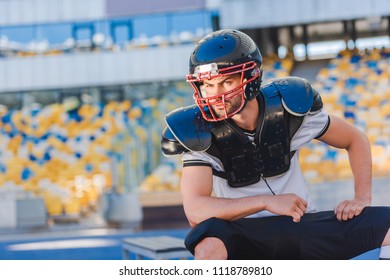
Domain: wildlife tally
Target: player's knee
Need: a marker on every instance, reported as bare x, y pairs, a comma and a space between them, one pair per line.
210, 248
386, 241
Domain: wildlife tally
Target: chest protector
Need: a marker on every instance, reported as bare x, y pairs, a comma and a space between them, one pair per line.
245, 162
282, 107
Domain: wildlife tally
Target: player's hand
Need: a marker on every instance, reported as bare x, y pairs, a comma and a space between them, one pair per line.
348, 209
288, 205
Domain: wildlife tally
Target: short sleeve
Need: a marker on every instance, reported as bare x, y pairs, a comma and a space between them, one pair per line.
201, 159
313, 126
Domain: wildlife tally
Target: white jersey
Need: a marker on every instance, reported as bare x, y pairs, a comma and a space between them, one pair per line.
291, 181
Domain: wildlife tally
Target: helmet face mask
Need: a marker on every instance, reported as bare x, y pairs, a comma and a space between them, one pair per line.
220, 54
211, 71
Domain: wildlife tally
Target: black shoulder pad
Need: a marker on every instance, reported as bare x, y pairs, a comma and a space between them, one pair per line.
169, 144
297, 95
189, 128
317, 102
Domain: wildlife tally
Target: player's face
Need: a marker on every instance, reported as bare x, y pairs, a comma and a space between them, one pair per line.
223, 104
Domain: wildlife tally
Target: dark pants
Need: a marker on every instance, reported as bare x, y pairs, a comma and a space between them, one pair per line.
317, 236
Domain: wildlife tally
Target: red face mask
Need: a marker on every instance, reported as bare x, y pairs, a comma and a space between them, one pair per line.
211, 71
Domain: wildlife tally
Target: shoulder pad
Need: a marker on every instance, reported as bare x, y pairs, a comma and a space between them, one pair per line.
317, 102
169, 145
189, 128
297, 95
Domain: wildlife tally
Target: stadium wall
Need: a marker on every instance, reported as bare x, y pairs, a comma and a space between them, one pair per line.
94, 69
19, 12
243, 14
240, 14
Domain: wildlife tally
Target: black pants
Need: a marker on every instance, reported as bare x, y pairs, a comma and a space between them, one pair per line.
317, 236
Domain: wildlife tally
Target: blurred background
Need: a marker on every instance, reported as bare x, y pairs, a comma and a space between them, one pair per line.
85, 85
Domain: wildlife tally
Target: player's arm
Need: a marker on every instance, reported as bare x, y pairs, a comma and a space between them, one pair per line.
199, 204
341, 134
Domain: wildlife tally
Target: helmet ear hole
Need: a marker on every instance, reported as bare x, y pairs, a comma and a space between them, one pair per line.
252, 89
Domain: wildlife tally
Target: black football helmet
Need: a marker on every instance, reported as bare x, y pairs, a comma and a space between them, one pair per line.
221, 53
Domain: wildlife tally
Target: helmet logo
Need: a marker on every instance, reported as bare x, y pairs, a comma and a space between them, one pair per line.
205, 71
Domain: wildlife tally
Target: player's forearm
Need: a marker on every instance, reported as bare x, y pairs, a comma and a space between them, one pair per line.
203, 207
359, 153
